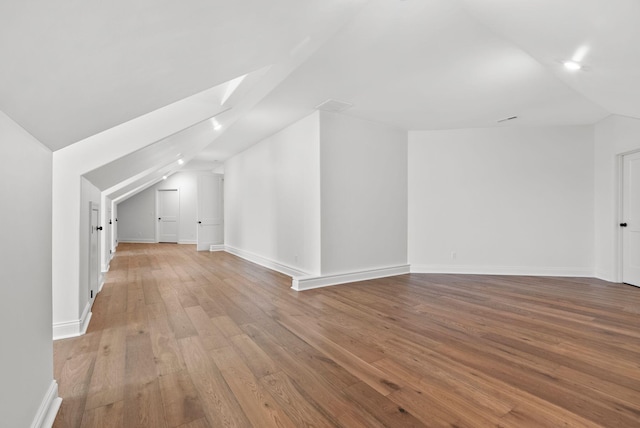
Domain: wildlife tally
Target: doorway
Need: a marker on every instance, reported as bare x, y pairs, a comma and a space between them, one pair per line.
168, 212
630, 219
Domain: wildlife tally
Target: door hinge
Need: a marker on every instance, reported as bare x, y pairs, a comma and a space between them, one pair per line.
92, 294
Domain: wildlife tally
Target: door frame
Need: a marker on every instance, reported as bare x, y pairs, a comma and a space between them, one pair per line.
619, 212
157, 237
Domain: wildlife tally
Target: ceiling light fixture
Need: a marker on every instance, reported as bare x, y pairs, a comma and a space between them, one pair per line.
180, 161
164, 177
572, 65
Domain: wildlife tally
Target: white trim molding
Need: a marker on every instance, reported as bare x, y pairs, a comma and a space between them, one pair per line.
138, 241
262, 261
64, 330
48, 409
218, 247
504, 270
187, 242
301, 283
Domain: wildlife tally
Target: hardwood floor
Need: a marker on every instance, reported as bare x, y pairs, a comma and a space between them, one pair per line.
194, 340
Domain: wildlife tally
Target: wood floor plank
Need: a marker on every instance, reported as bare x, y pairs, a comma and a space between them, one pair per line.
109, 416
107, 379
180, 399
261, 409
180, 338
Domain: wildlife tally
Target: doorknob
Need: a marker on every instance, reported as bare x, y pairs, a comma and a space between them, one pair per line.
623, 224
199, 222
158, 218
98, 227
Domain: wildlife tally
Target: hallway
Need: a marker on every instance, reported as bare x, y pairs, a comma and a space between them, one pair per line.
181, 338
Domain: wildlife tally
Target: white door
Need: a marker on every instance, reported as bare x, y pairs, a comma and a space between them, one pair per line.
210, 211
94, 250
168, 212
631, 219
109, 236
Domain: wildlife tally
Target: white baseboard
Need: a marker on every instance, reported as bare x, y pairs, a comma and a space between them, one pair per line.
504, 270
605, 276
138, 241
262, 261
187, 242
64, 330
310, 282
219, 247
48, 408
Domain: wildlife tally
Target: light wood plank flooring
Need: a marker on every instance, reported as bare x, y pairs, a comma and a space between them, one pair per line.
186, 339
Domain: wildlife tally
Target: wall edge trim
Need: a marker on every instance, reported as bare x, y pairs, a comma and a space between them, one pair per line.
311, 282
505, 270
264, 262
75, 328
49, 407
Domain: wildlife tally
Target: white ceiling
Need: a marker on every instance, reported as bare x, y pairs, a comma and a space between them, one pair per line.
74, 68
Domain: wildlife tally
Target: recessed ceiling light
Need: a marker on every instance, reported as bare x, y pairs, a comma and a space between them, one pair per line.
164, 177
180, 161
572, 65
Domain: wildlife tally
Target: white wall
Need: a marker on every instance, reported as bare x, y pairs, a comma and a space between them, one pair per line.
364, 194
272, 198
614, 136
25, 275
137, 217
504, 200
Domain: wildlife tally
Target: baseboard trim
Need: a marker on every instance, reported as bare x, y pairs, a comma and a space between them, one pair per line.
605, 276
265, 262
187, 242
75, 328
48, 408
138, 241
504, 270
218, 247
311, 282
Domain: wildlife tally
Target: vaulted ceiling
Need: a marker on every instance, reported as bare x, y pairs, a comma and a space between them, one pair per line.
72, 69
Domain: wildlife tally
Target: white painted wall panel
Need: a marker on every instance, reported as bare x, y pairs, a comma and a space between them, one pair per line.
364, 194
502, 200
272, 198
25, 275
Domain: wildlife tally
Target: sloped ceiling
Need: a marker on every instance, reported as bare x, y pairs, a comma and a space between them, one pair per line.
74, 68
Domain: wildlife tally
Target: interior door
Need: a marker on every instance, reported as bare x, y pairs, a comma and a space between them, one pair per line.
108, 236
94, 250
210, 211
631, 219
168, 213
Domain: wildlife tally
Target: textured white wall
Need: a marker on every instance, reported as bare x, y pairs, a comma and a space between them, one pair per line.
364, 194
137, 217
614, 136
272, 198
25, 275
504, 200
